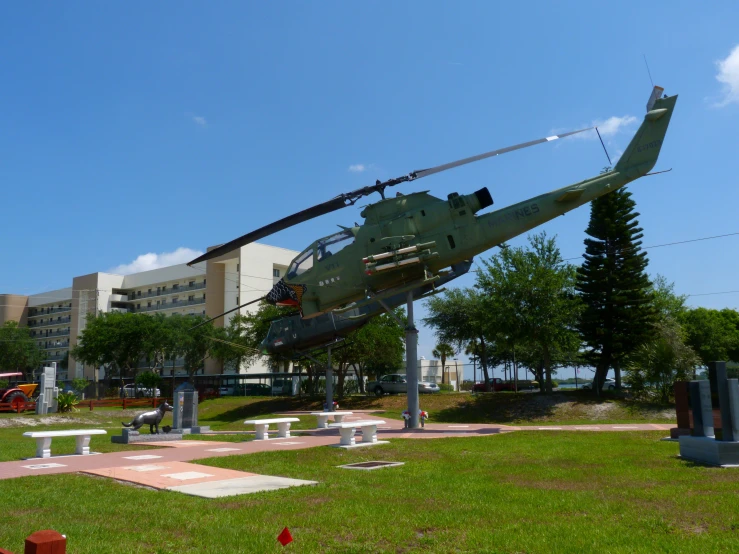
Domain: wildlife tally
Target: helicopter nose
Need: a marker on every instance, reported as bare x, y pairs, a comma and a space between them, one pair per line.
283, 294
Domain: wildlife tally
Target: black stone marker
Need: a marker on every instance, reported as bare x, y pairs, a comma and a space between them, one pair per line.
718, 371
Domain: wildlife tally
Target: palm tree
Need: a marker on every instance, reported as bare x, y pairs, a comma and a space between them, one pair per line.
443, 351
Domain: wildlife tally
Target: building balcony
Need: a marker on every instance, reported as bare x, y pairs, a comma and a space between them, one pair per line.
120, 310
47, 323
169, 305
119, 298
38, 312
178, 290
59, 345
54, 358
62, 333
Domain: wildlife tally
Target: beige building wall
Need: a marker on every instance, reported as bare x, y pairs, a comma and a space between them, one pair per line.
13, 307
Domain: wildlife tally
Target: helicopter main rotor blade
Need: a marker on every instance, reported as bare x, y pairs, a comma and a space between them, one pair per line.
320, 209
350, 198
439, 168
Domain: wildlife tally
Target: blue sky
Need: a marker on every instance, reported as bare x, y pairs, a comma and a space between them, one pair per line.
146, 128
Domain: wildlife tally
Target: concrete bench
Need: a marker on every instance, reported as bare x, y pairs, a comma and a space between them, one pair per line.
323, 417
43, 440
347, 430
262, 427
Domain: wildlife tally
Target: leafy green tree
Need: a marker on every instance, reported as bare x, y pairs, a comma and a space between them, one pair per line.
712, 334
461, 316
18, 350
191, 341
443, 351
533, 294
149, 380
665, 302
613, 284
661, 361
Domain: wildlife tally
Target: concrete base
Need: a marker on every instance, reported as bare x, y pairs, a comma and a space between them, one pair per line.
709, 451
132, 437
191, 430
359, 444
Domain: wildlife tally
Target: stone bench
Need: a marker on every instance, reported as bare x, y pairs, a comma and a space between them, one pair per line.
262, 427
43, 440
347, 430
323, 417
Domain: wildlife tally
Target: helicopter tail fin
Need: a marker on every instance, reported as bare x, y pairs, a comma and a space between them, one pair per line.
641, 155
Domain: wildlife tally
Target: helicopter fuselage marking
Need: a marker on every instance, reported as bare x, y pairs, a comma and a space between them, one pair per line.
653, 144
526, 211
331, 266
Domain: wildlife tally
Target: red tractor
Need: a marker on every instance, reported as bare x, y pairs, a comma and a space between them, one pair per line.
16, 396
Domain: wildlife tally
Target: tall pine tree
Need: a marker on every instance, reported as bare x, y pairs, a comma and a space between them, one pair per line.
614, 286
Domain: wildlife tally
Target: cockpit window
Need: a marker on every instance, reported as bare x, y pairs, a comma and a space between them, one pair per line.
301, 264
333, 244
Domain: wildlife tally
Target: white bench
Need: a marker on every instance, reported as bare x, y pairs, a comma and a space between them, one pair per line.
262, 427
347, 430
323, 417
43, 440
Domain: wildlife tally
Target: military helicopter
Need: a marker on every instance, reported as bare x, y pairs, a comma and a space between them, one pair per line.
407, 243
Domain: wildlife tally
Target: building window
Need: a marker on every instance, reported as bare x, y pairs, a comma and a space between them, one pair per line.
203, 282
238, 267
149, 292
190, 298
164, 288
148, 304
175, 286
191, 284
275, 272
138, 306
203, 297
237, 303
175, 300
138, 293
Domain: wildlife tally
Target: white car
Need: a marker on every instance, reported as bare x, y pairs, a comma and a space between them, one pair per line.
396, 383
608, 384
129, 391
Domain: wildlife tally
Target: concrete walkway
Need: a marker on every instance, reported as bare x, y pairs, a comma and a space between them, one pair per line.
185, 451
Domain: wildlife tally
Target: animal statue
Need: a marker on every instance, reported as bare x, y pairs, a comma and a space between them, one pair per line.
152, 419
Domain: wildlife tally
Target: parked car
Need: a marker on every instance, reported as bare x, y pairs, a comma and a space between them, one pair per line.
608, 384
130, 391
496, 385
226, 391
253, 389
396, 383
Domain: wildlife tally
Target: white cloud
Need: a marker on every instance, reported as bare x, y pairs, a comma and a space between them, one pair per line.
146, 262
200, 120
728, 76
357, 168
614, 125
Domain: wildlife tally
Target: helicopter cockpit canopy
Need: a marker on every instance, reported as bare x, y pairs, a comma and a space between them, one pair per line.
329, 246
302, 263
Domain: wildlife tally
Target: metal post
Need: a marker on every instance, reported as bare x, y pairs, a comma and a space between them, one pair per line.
411, 361
329, 383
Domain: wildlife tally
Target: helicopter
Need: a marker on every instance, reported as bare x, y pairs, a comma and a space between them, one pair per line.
292, 335
408, 242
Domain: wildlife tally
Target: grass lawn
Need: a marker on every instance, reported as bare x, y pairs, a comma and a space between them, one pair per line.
519, 492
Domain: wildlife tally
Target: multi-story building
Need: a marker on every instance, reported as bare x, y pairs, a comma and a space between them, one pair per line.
57, 318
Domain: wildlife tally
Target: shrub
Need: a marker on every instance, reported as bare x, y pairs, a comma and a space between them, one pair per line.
79, 385
66, 402
446, 387
555, 384
466, 386
148, 379
4, 384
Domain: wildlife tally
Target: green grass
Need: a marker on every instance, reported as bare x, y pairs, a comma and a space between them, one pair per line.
519, 492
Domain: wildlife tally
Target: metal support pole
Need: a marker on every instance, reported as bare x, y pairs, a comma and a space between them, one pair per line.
329, 383
411, 360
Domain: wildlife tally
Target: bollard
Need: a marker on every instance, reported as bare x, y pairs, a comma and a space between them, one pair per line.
46, 542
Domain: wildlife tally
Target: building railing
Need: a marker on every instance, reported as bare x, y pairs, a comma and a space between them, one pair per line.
48, 323
133, 297
169, 305
60, 345
62, 333
54, 358
38, 312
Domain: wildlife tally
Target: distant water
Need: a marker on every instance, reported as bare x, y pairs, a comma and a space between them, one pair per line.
572, 386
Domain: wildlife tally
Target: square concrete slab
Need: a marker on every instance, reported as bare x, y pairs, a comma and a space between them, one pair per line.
188, 475
244, 485
44, 466
368, 466
145, 467
171, 474
142, 457
358, 444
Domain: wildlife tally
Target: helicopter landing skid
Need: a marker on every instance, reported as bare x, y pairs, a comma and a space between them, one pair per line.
388, 293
